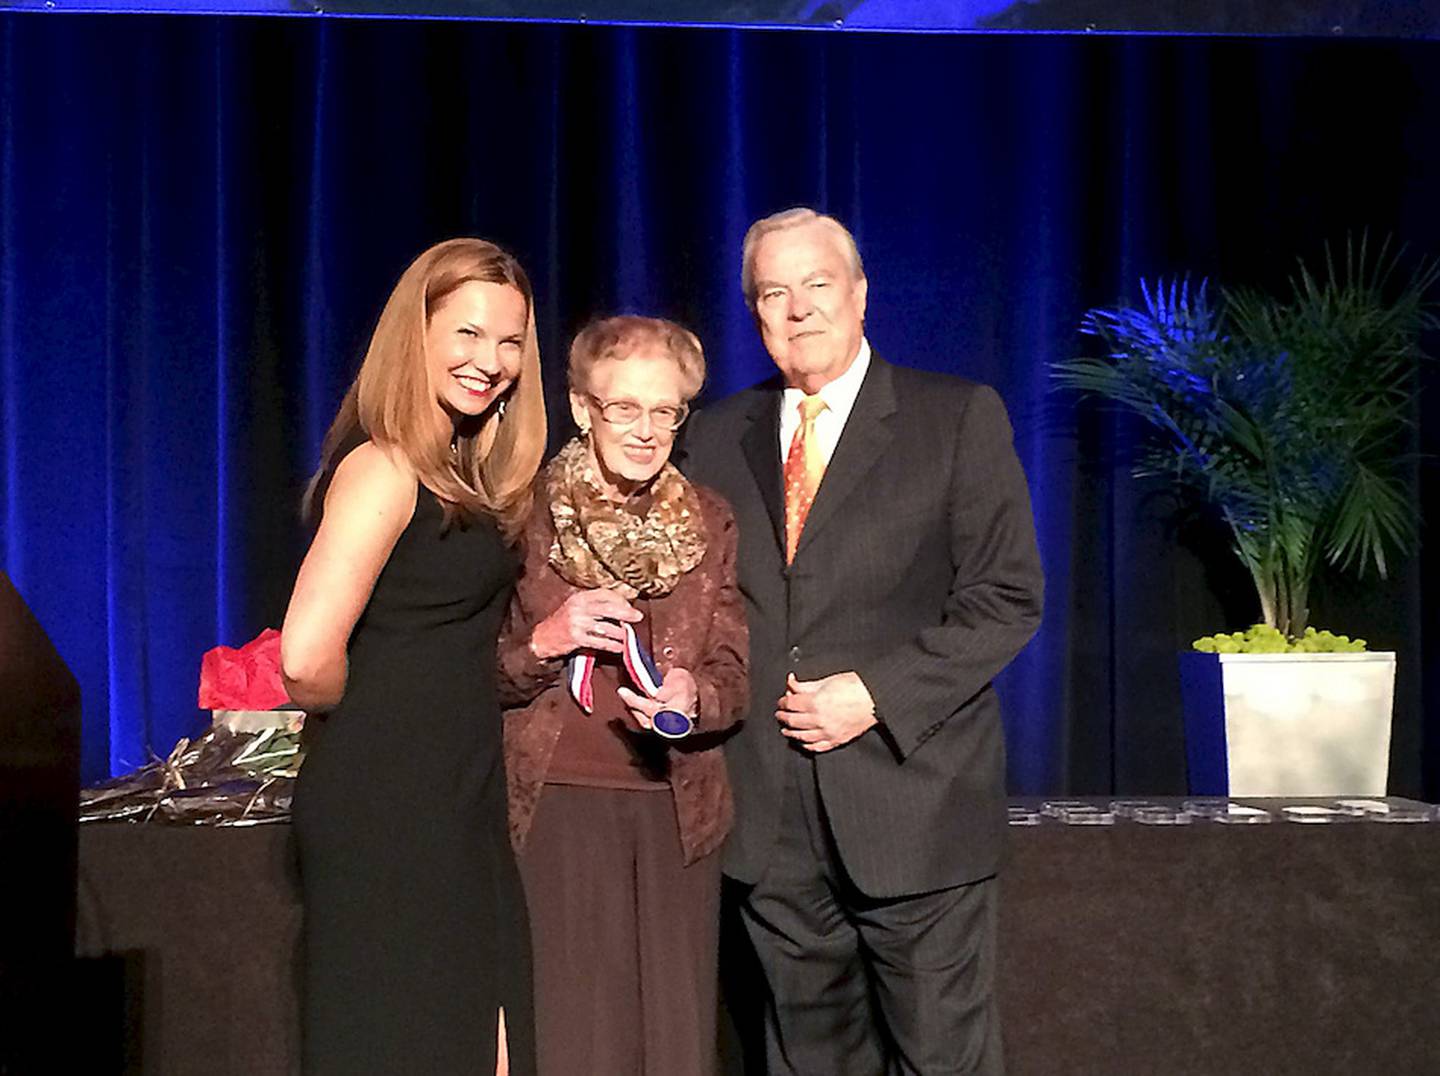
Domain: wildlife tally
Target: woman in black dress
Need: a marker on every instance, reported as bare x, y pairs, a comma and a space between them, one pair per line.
415, 945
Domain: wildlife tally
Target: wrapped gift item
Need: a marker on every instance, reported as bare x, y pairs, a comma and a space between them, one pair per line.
219, 778
240, 772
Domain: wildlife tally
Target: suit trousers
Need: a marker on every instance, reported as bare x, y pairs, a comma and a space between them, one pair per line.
862, 986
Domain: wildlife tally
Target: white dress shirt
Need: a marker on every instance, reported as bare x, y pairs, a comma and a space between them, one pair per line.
839, 396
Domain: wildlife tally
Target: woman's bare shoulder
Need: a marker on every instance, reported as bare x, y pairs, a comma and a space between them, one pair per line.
371, 478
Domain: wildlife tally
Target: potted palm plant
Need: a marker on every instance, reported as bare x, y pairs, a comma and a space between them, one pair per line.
1285, 415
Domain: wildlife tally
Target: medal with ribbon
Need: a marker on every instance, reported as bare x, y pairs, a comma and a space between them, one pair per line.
671, 724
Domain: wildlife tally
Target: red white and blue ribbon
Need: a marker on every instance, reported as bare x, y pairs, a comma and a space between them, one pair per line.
642, 670
578, 671
643, 673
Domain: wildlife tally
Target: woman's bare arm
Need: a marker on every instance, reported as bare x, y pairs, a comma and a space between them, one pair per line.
369, 504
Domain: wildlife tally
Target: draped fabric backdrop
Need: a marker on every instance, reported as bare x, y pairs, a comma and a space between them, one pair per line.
200, 218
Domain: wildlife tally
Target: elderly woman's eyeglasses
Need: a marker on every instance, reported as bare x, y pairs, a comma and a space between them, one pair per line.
627, 412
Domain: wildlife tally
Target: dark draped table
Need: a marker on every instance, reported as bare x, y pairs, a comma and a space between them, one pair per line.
1125, 949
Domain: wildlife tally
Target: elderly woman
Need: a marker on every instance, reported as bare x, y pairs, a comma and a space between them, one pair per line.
618, 828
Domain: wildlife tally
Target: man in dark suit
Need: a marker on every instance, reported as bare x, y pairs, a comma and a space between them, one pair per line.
888, 562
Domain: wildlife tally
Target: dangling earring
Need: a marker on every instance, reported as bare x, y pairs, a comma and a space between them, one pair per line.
500, 408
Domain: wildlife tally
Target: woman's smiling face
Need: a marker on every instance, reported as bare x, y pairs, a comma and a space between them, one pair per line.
630, 454
473, 345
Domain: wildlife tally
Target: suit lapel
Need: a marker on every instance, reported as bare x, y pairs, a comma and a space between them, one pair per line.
761, 445
866, 436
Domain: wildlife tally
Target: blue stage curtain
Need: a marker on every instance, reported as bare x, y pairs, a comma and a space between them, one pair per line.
200, 218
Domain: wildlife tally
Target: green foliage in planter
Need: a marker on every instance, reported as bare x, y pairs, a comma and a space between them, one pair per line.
1264, 639
1286, 415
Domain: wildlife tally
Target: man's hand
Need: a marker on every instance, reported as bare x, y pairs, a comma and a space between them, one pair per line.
821, 715
678, 692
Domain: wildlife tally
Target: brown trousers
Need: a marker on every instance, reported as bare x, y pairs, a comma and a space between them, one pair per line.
625, 936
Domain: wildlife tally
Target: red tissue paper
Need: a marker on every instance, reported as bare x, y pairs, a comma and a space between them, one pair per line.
243, 679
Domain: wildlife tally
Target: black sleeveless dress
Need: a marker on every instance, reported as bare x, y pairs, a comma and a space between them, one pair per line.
415, 932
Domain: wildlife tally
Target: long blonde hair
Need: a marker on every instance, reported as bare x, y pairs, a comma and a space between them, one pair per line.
492, 463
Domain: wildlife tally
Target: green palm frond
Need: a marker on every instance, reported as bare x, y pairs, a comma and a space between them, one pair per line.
1286, 415
1373, 515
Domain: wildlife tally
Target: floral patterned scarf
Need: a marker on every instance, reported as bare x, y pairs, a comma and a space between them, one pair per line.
599, 543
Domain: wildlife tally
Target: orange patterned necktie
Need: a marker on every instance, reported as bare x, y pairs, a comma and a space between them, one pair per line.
804, 467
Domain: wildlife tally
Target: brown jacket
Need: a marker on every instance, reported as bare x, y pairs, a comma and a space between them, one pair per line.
699, 626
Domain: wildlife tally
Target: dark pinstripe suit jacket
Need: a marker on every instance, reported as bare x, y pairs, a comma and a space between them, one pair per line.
917, 569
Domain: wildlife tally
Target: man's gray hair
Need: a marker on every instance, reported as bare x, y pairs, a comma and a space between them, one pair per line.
792, 218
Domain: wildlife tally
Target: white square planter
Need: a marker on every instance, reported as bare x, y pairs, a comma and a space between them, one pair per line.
1288, 724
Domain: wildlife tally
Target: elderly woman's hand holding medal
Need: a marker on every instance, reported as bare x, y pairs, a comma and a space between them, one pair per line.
594, 620
586, 620
677, 695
